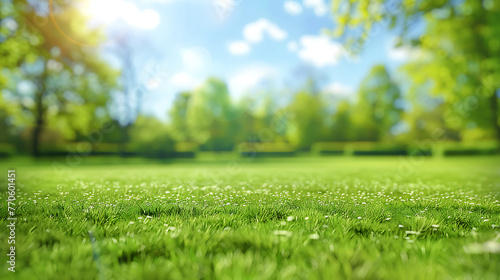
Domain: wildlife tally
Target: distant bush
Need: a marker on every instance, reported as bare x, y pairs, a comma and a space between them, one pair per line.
7, 150
259, 149
466, 148
358, 148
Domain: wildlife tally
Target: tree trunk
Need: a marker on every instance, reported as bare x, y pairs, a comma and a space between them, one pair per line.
494, 113
39, 121
36, 138
124, 139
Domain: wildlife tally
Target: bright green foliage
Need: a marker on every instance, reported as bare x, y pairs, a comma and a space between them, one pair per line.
259, 120
426, 118
458, 54
342, 129
209, 113
303, 218
359, 20
150, 137
69, 85
178, 117
306, 124
376, 111
461, 63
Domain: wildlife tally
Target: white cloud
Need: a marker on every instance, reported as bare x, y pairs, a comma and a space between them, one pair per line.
196, 58
250, 77
254, 31
339, 90
402, 53
184, 80
147, 19
239, 47
111, 10
319, 50
292, 7
292, 46
162, 1
224, 8
319, 6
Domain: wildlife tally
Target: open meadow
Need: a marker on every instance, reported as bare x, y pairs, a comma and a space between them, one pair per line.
288, 218
230, 139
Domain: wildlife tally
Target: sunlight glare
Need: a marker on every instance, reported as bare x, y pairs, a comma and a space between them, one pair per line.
108, 11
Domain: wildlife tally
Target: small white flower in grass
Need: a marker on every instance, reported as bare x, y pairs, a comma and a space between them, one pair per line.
326, 217
435, 226
283, 223
170, 229
491, 246
359, 218
494, 226
307, 218
131, 223
400, 226
387, 219
282, 233
140, 218
314, 236
290, 218
486, 220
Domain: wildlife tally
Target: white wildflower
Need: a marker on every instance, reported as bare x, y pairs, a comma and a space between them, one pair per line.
314, 236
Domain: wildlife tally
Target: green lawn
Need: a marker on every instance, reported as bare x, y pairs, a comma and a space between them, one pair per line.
289, 218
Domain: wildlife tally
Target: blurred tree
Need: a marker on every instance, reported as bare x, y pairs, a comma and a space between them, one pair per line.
462, 62
133, 51
459, 46
150, 137
308, 119
178, 115
425, 117
57, 79
342, 128
261, 110
358, 21
7, 109
376, 111
209, 116
247, 122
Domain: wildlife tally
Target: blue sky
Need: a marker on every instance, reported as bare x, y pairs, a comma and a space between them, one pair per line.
179, 43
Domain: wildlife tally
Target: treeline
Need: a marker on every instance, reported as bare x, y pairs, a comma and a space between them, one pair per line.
208, 119
58, 94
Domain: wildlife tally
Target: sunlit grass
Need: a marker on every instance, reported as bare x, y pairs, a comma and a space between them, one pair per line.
299, 218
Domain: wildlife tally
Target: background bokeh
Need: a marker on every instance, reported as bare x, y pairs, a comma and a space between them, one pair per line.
99, 78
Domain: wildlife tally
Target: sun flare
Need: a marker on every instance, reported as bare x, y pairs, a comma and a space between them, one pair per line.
113, 11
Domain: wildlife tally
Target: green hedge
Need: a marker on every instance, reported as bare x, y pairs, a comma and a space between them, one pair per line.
264, 149
7, 150
358, 148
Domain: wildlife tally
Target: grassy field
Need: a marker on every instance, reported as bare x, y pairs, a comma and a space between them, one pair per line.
293, 218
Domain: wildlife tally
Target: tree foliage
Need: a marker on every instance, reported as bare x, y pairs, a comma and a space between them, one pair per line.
376, 110
458, 51
50, 71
